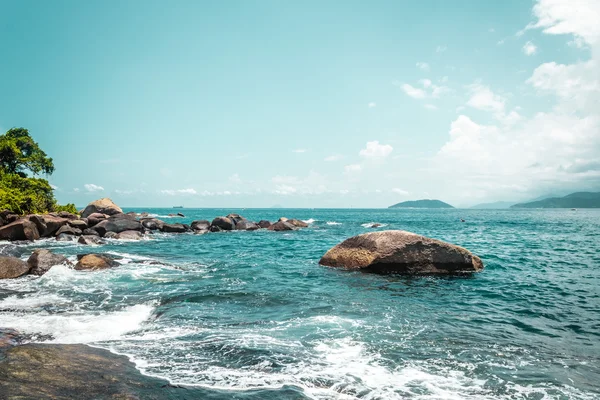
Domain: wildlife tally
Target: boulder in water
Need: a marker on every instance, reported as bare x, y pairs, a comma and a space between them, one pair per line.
65, 237
130, 235
152, 224
200, 225
103, 206
282, 226
263, 223
224, 223
93, 262
89, 239
69, 230
297, 223
95, 218
245, 225
43, 259
12, 267
79, 223
174, 228
21, 229
401, 252
117, 224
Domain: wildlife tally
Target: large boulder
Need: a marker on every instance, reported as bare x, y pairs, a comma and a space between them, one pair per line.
79, 223
68, 215
95, 218
93, 262
12, 267
152, 224
401, 252
103, 206
174, 228
47, 224
129, 235
8, 216
43, 259
89, 239
69, 230
21, 229
200, 225
224, 223
282, 226
297, 223
263, 223
245, 225
235, 218
117, 224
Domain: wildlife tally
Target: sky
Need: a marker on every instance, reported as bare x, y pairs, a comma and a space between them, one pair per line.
306, 104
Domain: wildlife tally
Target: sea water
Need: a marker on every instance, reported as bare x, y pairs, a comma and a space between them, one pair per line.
238, 311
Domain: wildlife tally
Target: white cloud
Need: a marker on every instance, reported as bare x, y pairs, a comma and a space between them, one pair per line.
353, 168
171, 192
333, 157
423, 66
413, 91
482, 98
235, 178
372, 105
76, 190
90, 187
426, 83
376, 150
441, 49
577, 17
500, 42
400, 191
529, 48
54, 187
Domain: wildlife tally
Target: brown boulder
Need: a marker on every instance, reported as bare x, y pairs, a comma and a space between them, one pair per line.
69, 230
245, 225
264, 223
282, 226
89, 239
200, 225
42, 260
174, 228
297, 223
103, 206
224, 223
47, 224
21, 229
95, 218
401, 252
68, 215
12, 267
129, 235
79, 223
93, 262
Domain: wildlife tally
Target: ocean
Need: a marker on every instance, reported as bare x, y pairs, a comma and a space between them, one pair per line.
233, 312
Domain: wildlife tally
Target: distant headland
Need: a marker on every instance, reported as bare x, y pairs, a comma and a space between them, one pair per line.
573, 200
425, 203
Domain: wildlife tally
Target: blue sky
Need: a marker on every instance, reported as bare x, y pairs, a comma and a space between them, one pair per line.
306, 104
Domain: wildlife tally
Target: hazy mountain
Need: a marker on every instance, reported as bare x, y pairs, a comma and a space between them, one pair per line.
495, 205
422, 204
573, 200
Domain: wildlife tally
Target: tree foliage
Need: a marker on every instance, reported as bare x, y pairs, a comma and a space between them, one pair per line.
19, 156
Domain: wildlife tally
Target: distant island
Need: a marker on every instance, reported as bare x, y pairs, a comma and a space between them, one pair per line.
497, 205
422, 204
573, 200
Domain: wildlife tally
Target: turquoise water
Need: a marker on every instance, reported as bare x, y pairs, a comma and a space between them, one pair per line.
238, 311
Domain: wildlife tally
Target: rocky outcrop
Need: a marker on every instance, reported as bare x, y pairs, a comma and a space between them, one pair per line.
152, 224
282, 226
401, 252
95, 218
174, 228
297, 223
80, 224
224, 223
245, 225
21, 229
117, 224
47, 224
65, 237
102, 206
42, 260
90, 232
89, 239
12, 267
129, 235
200, 225
263, 223
93, 262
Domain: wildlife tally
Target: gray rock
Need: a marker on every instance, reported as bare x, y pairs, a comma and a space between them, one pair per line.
200, 225
129, 235
69, 230
264, 223
65, 237
21, 229
47, 224
224, 223
174, 228
152, 223
79, 223
12, 267
282, 226
246, 225
90, 239
401, 252
43, 259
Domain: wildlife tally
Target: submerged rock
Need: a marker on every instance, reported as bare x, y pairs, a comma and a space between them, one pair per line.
401, 252
93, 262
224, 223
282, 226
103, 206
12, 267
21, 229
89, 239
174, 228
65, 237
297, 223
43, 259
263, 223
130, 235
246, 225
200, 225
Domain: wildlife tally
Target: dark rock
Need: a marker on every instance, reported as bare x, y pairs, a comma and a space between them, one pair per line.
282, 226
79, 223
93, 262
103, 206
90, 232
117, 224
95, 218
152, 223
264, 223
43, 259
174, 228
214, 228
200, 225
21, 229
125, 216
236, 218
12, 267
65, 237
129, 235
67, 215
401, 252
48, 224
246, 225
224, 223
68, 230
201, 231
180, 215
89, 239
111, 235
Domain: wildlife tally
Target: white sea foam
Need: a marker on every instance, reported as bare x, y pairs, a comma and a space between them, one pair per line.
370, 225
333, 223
78, 327
310, 221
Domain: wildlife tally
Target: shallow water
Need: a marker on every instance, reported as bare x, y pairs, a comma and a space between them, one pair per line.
240, 311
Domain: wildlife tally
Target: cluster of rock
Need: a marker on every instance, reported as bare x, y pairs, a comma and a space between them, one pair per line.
104, 219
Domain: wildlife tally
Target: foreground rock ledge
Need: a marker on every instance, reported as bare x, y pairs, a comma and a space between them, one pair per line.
401, 252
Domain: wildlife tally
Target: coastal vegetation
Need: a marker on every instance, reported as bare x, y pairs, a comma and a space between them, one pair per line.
20, 157
573, 200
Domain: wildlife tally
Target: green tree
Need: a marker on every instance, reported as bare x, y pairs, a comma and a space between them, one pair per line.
19, 153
